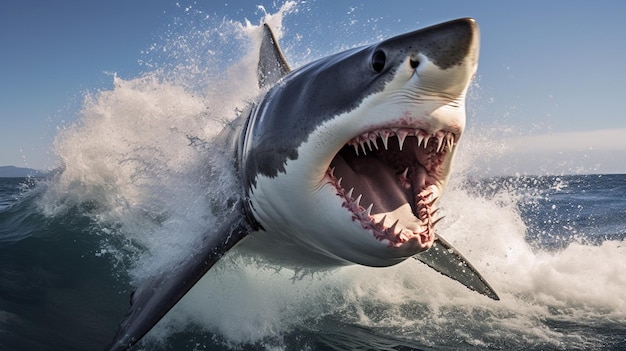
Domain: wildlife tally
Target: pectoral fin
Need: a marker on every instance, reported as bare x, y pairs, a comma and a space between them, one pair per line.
446, 260
156, 296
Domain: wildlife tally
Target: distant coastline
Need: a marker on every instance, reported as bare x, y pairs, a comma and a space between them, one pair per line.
19, 172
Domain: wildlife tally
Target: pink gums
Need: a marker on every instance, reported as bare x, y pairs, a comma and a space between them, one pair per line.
420, 177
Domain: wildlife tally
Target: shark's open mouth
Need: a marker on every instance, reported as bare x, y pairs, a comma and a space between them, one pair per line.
390, 180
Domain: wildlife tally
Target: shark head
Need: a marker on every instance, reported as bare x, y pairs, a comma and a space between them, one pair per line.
349, 154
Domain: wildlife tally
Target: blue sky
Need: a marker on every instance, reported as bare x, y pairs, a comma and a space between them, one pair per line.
551, 70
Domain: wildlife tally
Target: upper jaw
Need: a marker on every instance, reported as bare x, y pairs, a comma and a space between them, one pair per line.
390, 173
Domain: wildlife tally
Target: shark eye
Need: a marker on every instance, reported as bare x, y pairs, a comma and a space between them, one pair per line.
378, 61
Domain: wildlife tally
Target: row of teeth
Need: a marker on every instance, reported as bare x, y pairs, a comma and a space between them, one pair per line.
396, 235
445, 140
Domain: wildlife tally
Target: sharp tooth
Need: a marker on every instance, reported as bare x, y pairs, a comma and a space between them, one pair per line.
349, 195
339, 182
401, 134
432, 214
426, 140
400, 143
356, 148
358, 200
385, 138
372, 138
439, 143
393, 226
332, 172
431, 201
436, 221
450, 142
363, 147
369, 144
420, 138
369, 210
382, 221
422, 214
404, 174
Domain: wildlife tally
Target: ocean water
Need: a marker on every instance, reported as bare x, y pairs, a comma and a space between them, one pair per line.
552, 247
142, 177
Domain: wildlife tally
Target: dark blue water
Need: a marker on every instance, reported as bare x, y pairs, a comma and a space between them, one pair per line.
562, 209
66, 277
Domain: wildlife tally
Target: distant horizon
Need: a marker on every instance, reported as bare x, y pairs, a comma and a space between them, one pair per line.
21, 172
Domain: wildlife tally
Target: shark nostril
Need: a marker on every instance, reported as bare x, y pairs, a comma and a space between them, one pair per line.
414, 63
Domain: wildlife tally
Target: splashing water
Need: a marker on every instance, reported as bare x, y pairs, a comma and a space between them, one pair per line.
145, 163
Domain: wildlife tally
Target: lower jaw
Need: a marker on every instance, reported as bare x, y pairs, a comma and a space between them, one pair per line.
420, 238
399, 228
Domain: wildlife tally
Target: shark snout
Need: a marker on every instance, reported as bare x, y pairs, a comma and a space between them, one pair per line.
451, 44
442, 58
447, 57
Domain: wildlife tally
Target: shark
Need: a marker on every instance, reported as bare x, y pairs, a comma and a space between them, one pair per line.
341, 161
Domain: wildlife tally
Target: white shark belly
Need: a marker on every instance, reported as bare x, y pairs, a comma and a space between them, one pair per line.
276, 250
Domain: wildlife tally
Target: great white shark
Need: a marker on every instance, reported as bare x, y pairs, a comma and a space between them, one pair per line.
339, 162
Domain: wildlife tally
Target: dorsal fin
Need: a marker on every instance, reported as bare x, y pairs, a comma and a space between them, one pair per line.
272, 64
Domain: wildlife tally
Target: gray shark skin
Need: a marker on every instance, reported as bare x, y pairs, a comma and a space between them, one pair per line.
341, 161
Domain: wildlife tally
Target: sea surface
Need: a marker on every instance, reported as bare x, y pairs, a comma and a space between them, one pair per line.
141, 178
552, 247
